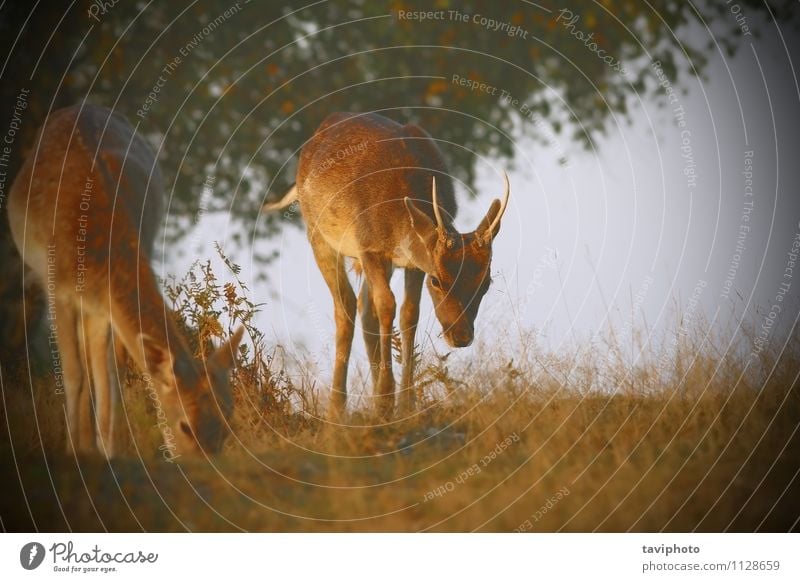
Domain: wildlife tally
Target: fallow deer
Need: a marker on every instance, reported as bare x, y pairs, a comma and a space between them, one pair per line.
84, 213
380, 193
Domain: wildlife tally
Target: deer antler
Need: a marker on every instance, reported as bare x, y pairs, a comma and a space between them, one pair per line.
503, 204
439, 221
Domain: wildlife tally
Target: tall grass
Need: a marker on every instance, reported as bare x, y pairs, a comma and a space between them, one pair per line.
682, 432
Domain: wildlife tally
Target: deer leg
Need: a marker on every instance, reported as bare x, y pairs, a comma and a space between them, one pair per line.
76, 382
86, 424
377, 272
331, 265
98, 339
371, 330
409, 316
118, 374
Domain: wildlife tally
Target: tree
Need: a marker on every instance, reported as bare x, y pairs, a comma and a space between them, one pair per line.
230, 91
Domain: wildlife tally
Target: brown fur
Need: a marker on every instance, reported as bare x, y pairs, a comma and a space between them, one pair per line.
84, 212
364, 187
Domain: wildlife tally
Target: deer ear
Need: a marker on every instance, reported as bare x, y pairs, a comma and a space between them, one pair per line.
487, 221
420, 222
158, 361
225, 356
490, 225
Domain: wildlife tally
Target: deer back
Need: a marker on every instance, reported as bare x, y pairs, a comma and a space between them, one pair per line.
354, 173
128, 169
91, 192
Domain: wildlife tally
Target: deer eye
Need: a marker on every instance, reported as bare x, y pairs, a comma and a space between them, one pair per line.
435, 282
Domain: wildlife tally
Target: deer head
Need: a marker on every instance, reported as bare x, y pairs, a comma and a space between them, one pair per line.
457, 264
197, 399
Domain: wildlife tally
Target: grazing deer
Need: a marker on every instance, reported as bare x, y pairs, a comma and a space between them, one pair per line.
379, 192
84, 213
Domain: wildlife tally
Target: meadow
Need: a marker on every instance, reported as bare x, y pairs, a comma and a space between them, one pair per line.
675, 436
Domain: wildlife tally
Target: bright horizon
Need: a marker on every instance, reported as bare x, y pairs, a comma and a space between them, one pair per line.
631, 233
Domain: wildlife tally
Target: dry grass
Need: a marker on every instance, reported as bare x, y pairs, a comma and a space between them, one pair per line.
687, 437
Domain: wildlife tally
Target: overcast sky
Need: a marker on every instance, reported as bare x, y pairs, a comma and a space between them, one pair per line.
628, 233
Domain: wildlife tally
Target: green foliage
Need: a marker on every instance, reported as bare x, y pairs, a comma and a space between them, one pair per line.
253, 80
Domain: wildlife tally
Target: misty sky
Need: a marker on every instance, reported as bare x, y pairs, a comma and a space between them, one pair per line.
621, 234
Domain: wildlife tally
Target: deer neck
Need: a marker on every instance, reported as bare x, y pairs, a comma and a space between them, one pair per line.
140, 314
